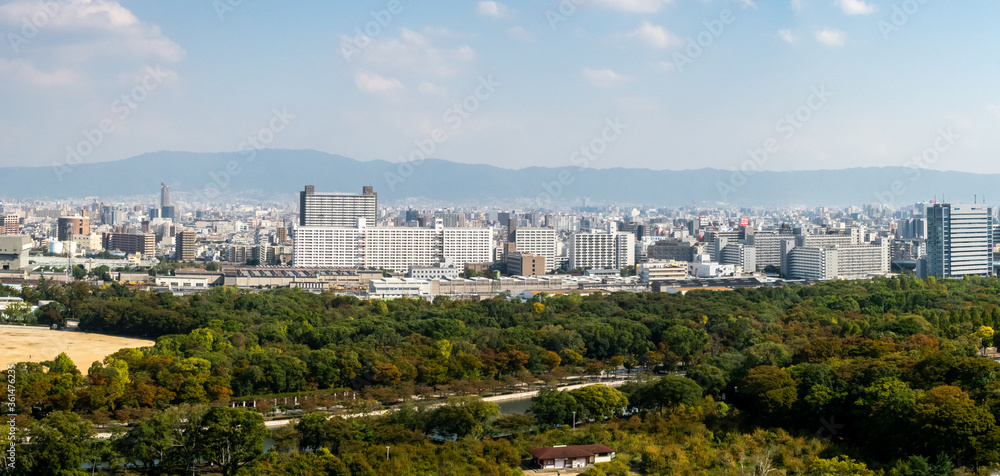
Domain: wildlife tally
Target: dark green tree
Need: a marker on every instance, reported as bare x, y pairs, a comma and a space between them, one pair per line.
232, 438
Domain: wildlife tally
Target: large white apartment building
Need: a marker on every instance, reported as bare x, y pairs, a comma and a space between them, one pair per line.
337, 209
601, 250
393, 248
539, 242
847, 261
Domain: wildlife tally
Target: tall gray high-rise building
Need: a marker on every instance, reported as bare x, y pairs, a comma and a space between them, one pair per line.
959, 240
166, 209
164, 195
337, 209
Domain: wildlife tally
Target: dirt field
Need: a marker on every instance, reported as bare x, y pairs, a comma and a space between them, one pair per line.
39, 344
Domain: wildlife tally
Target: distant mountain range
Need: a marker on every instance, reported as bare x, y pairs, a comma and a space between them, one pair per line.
282, 173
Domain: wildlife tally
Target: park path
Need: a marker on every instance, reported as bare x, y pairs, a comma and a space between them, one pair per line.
272, 424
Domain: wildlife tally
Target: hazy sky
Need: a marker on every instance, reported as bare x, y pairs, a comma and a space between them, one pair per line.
669, 84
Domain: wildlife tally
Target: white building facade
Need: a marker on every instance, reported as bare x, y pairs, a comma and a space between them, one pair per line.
539, 242
393, 248
601, 250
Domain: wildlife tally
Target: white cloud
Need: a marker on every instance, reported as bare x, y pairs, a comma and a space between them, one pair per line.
414, 53
603, 78
654, 36
135, 77
634, 6
25, 73
797, 5
84, 30
831, 36
520, 34
492, 9
856, 7
745, 4
993, 109
787, 36
431, 89
373, 83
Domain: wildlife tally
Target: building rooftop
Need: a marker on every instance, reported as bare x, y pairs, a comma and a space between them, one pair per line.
559, 452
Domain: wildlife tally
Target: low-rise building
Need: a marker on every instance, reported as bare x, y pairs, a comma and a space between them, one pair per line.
525, 264
392, 288
570, 457
661, 270
14, 251
704, 267
435, 272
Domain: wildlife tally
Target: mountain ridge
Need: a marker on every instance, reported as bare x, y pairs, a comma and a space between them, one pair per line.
282, 173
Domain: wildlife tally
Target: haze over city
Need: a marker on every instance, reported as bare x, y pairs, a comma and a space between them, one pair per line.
692, 84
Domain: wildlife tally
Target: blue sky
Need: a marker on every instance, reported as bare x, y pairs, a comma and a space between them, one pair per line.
897, 79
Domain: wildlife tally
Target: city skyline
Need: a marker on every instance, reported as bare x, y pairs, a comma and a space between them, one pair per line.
828, 85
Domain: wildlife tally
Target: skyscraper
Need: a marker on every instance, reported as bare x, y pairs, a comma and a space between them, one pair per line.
959, 240
337, 209
164, 195
185, 246
166, 209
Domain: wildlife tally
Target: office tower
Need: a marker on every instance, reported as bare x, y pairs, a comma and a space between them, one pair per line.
72, 225
675, 250
538, 242
337, 209
280, 235
164, 195
185, 246
601, 250
10, 225
451, 220
503, 218
130, 243
166, 209
959, 240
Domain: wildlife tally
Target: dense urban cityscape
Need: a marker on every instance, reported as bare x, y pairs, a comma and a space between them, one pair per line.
499, 238
347, 243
